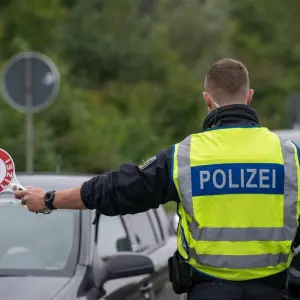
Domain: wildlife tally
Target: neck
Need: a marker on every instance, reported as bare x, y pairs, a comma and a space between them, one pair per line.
229, 102
230, 115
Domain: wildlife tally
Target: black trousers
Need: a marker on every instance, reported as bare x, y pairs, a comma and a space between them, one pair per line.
220, 290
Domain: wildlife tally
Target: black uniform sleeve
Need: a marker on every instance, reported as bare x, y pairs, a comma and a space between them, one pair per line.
132, 189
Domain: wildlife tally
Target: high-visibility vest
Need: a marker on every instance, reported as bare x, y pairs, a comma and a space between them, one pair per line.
239, 201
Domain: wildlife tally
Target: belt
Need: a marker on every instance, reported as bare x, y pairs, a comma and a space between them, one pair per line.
277, 280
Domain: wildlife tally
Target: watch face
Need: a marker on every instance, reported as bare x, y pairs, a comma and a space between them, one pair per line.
48, 197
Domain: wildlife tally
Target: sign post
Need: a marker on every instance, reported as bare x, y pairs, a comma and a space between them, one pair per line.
30, 83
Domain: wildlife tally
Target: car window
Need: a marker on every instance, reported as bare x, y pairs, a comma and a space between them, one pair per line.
164, 221
143, 233
112, 236
35, 241
155, 224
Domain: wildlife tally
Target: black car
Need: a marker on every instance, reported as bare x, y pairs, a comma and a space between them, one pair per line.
62, 256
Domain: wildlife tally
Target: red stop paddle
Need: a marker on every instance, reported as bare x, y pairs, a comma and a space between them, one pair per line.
8, 179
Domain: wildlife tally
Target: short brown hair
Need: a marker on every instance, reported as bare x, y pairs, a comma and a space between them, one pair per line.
227, 78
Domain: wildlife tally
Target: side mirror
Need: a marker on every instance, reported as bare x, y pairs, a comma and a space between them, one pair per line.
128, 265
120, 265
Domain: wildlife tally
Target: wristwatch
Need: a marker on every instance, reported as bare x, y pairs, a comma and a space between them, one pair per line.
49, 199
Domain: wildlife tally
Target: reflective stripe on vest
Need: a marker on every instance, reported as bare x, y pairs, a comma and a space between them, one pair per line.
285, 233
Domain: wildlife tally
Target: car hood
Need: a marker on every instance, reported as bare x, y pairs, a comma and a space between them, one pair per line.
31, 288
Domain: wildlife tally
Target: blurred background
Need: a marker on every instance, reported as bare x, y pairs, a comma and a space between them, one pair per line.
131, 73
127, 82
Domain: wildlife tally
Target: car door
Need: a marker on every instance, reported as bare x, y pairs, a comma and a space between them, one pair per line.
148, 236
112, 237
167, 249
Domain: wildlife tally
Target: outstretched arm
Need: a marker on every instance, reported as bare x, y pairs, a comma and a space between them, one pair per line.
131, 189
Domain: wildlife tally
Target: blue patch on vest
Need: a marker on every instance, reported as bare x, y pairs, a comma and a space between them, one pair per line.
237, 178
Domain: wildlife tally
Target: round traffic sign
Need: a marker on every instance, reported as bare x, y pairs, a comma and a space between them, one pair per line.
30, 82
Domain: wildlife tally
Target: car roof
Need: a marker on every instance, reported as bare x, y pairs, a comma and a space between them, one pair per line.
52, 181
289, 134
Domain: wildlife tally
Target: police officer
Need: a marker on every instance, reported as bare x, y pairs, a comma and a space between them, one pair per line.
236, 185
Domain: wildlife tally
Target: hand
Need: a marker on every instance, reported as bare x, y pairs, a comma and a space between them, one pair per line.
34, 198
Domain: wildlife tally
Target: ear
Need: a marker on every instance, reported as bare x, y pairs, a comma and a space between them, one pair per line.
250, 95
207, 99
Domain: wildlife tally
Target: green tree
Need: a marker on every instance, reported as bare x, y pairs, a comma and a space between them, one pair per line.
131, 75
265, 37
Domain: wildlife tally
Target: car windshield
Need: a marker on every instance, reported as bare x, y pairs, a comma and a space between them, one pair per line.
36, 242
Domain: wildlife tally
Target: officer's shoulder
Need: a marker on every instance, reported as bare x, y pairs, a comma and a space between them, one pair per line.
162, 155
146, 163
187, 138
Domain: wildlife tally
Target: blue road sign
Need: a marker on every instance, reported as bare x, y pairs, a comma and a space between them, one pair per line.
30, 82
